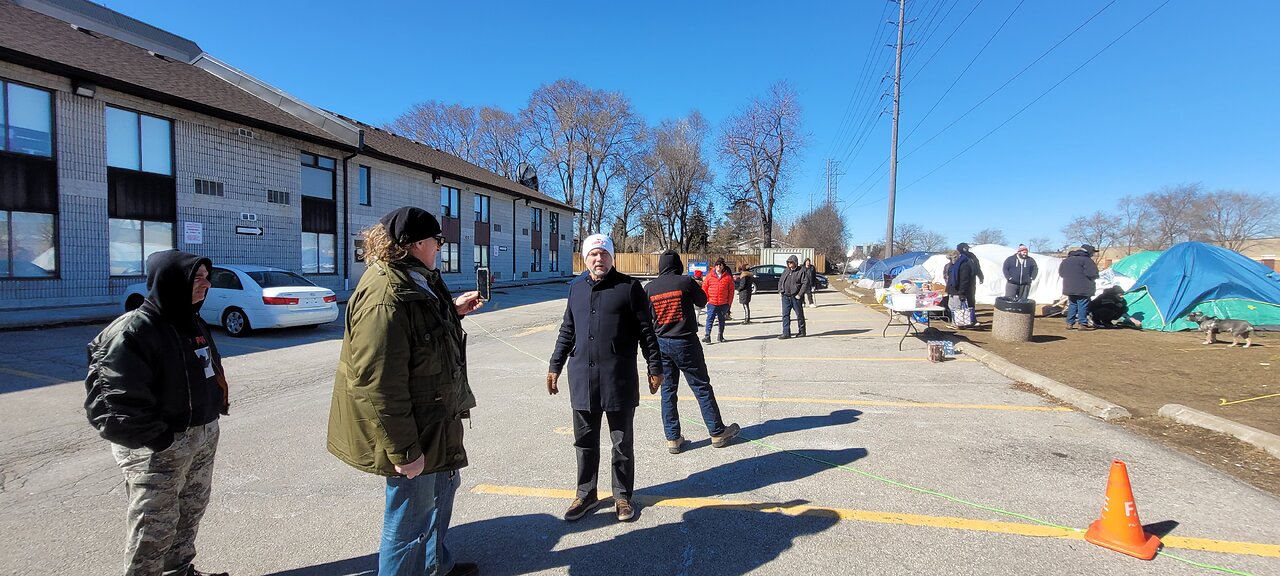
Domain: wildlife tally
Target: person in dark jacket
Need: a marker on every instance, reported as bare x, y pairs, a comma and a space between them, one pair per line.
673, 296
1078, 273
745, 283
1020, 270
792, 286
965, 274
606, 318
401, 391
811, 280
155, 389
1108, 308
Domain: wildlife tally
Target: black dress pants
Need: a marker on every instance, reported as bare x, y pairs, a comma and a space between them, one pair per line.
586, 441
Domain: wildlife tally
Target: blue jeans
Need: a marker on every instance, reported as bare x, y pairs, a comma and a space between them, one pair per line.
716, 312
1078, 310
685, 355
791, 304
414, 525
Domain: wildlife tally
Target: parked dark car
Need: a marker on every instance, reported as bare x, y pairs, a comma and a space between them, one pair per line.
767, 276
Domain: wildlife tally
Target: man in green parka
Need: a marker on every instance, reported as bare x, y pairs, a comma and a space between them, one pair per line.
401, 390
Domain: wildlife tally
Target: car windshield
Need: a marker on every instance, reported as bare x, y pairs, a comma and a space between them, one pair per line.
278, 279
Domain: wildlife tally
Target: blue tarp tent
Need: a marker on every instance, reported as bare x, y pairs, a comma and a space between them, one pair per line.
1193, 276
866, 265
895, 265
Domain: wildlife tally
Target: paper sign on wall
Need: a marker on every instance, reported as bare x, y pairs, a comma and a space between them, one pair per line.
193, 232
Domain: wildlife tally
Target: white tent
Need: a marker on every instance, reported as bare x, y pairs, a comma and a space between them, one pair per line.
1046, 288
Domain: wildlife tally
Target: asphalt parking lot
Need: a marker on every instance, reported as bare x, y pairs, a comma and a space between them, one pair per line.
855, 457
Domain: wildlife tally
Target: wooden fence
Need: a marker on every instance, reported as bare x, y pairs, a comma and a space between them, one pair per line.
647, 264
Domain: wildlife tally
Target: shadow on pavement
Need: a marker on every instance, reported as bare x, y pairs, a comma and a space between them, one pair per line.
800, 423
362, 566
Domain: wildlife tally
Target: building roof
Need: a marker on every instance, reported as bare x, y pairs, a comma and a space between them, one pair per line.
36, 40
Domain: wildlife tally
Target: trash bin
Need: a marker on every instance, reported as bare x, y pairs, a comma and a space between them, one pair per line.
1013, 320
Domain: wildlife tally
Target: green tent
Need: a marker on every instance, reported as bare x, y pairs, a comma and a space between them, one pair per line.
1195, 277
1136, 264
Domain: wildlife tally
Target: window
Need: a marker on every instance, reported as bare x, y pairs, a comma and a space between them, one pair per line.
140, 142
27, 245
26, 120
141, 191
555, 256
536, 219
535, 263
449, 257
482, 255
278, 279
449, 200
555, 223
225, 279
319, 214
209, 188
132, 241
482, 208
277, 197
366, 186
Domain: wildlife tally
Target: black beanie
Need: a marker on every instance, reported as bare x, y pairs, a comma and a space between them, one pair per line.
408, 224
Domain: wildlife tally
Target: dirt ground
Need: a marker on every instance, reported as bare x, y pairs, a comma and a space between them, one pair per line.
1143, 370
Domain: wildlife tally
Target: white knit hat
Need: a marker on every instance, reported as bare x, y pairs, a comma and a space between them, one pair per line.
596, 241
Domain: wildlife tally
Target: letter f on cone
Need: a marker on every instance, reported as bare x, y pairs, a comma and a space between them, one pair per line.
1119, 528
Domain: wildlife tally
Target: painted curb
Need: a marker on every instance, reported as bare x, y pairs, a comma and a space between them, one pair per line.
1250, 435
1082, 400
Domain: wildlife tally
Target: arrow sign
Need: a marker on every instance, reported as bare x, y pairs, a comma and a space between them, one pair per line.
249, 230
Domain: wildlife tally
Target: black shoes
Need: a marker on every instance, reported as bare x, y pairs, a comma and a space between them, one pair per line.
580, 507
464, 569
784, 336
706, 339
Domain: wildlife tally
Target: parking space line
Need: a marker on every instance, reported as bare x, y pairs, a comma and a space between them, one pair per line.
32, 376
877, 517
904, 404
836, 358
224, 343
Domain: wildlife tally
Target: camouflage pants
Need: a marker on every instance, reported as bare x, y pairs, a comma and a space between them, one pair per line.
168, 492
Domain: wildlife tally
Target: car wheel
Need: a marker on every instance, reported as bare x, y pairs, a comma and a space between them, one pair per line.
133, 302
754, 288
235, 322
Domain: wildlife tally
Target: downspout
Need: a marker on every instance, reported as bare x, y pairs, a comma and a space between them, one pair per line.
513, 236
346, 215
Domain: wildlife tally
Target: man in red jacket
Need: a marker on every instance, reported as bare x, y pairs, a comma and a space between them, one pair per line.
718, 284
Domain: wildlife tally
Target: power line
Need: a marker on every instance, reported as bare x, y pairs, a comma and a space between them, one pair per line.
945, 41
862, 77
1042, 94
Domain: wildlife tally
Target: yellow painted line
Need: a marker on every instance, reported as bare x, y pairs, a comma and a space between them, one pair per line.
32, 375
947, 522
906, 404
835, 358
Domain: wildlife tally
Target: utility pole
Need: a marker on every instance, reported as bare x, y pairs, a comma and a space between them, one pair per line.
893, 154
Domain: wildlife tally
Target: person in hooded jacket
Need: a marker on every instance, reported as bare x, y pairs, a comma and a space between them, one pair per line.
1020, 270
791, 286
1078, 272
673, 296
811, 283
745, 284
401, 391
718, 286
965, 274
155, 390
606, 318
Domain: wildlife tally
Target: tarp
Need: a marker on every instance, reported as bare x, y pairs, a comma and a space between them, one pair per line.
894, 265
917, 272
865, 265
1136, 264
1197, 277
1046, 288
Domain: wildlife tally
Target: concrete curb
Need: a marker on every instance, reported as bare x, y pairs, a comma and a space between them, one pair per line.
1082, 400
1192, 417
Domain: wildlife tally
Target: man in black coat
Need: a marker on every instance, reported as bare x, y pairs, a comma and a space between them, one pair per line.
1020, 270
606, 318
963, 281
792, 287
1078, 273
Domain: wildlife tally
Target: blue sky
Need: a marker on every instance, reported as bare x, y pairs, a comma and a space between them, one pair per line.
1189, 95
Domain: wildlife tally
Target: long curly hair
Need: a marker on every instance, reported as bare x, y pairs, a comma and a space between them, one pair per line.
378, 246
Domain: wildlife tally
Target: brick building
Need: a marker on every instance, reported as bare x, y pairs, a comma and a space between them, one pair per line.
120, 139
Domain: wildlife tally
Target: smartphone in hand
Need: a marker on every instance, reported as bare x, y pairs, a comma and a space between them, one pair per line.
482, 283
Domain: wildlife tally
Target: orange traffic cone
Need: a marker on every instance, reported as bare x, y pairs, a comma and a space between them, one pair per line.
1119, 528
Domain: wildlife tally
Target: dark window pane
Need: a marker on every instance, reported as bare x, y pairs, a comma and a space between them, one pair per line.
319, 215
278, 279
317, 183
140, 195
157, 141
122, 139
28, 184
30, 129
366, 185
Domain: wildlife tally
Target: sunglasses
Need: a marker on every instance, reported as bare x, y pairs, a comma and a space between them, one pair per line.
439, 241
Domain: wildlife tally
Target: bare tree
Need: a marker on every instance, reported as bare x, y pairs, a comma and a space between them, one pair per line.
1171, 213
760, 147
1134, 213
639, 170
990, 236
501, 145
453, 128
1098, 230
1236, 220
682, 176
608, 130
930, 241
822, 229
1040, 244
552, 118
906, 237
